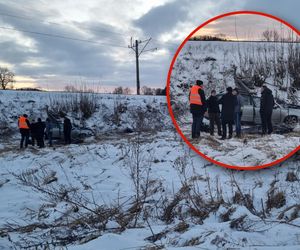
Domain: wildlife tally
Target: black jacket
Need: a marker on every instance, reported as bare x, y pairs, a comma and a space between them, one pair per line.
33, 128
199, 109
213, 105
67, 125
40, 128
266, 102
228, 102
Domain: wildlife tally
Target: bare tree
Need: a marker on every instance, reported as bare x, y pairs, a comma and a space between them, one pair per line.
271, 35
127, 91
122, 91
118, 91
6, 77
71, 88
148, 91
267, 35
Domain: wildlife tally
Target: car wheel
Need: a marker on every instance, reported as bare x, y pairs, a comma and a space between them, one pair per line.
291, 121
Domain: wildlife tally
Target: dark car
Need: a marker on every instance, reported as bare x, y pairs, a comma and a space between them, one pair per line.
78, 133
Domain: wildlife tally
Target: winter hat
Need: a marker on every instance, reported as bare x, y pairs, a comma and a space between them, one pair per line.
229, 89
199, 82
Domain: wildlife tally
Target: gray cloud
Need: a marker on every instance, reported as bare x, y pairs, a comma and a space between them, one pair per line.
60, 56
162, 18
287, 10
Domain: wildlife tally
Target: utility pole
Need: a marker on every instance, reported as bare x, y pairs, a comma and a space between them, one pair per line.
137, 67
135, 47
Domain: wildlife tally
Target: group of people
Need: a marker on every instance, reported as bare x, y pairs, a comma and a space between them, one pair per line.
231, 113
38, 131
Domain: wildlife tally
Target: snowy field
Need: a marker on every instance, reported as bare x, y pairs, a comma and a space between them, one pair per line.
139, 190
217, 64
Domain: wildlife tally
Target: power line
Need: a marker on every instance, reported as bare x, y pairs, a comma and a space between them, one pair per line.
63, 37
30, 19
171, 44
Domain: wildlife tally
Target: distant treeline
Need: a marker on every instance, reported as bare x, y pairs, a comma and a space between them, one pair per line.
208, 38
144, 91
28, 89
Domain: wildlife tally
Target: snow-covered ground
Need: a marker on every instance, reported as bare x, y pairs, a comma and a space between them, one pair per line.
216, 63
250, 150
83, 196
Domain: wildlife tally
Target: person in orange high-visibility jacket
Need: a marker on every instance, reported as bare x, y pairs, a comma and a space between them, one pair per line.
24, 126
197, 107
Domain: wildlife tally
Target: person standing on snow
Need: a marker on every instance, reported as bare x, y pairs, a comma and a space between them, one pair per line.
49, 129
266, 110
214, 113
197, 107
40, 130
238, 112
24, 126
33, 132
227, 114
67, 130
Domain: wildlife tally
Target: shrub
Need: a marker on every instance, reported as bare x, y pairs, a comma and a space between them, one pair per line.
83, 103
275, 200
291, 177
87, 104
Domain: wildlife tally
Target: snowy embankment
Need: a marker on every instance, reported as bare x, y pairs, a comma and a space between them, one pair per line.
113, 113
144, 190
217, 64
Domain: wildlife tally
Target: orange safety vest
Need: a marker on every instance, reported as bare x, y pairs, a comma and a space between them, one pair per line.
195, 98
23, 123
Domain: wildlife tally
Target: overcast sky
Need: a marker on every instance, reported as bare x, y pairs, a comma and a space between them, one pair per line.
105, 61
245, 27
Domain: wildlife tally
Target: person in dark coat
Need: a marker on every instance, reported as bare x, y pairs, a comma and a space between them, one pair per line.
266, 110
67, 130
49, 129
214, 113
24, 126
197, 107
40, 131
33, 132
227, 114
238, 111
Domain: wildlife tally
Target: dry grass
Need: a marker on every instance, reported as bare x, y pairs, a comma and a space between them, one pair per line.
276, 200
291, 177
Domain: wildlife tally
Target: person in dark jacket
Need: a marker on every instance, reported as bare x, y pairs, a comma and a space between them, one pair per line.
49, 129
266, 110
238, 112
214, 113
24, 126
40, 130
197, 107
67, 130
33, 132
227, 114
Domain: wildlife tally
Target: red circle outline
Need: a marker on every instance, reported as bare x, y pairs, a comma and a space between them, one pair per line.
280, 160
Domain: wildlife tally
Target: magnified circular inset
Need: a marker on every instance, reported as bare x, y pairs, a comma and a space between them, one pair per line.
233, 90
